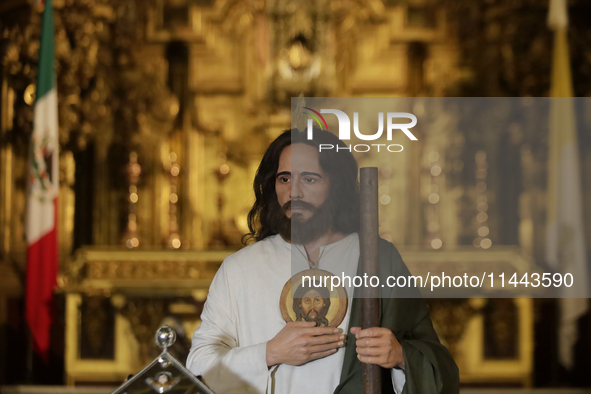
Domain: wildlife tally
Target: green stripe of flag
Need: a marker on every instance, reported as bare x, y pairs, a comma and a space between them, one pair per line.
46, 76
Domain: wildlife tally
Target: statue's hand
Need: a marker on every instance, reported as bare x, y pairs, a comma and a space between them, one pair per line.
300, 342
378, 345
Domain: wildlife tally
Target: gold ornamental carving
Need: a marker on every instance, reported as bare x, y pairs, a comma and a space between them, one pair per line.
102, 270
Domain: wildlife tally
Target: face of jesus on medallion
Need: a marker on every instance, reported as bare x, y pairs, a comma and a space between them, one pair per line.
312, 304
300, 181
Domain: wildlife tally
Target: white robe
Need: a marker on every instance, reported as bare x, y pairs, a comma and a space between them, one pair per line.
242, 314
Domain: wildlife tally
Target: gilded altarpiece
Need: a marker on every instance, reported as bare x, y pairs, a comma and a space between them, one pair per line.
166, 108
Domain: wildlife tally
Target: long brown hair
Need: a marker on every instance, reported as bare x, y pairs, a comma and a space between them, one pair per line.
340, 166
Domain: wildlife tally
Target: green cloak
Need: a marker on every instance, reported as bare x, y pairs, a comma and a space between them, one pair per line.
429, 367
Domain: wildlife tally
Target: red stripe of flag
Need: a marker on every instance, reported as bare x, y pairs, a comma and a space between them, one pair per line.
42, 269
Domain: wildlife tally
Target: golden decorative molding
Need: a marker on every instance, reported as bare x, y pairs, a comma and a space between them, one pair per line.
106, 270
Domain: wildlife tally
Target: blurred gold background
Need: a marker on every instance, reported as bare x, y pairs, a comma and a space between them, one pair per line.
165, 109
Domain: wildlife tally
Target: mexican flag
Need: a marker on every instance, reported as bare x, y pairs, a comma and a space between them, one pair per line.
42, 202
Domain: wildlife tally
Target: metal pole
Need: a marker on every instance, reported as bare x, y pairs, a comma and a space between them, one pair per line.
368, 243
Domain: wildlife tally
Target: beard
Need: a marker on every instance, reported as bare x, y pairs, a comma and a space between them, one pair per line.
299, 230
317, 318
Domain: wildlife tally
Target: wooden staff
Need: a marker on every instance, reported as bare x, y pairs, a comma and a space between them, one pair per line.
368, 244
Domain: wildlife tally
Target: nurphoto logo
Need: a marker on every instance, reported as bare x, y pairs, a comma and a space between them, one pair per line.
345, 129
